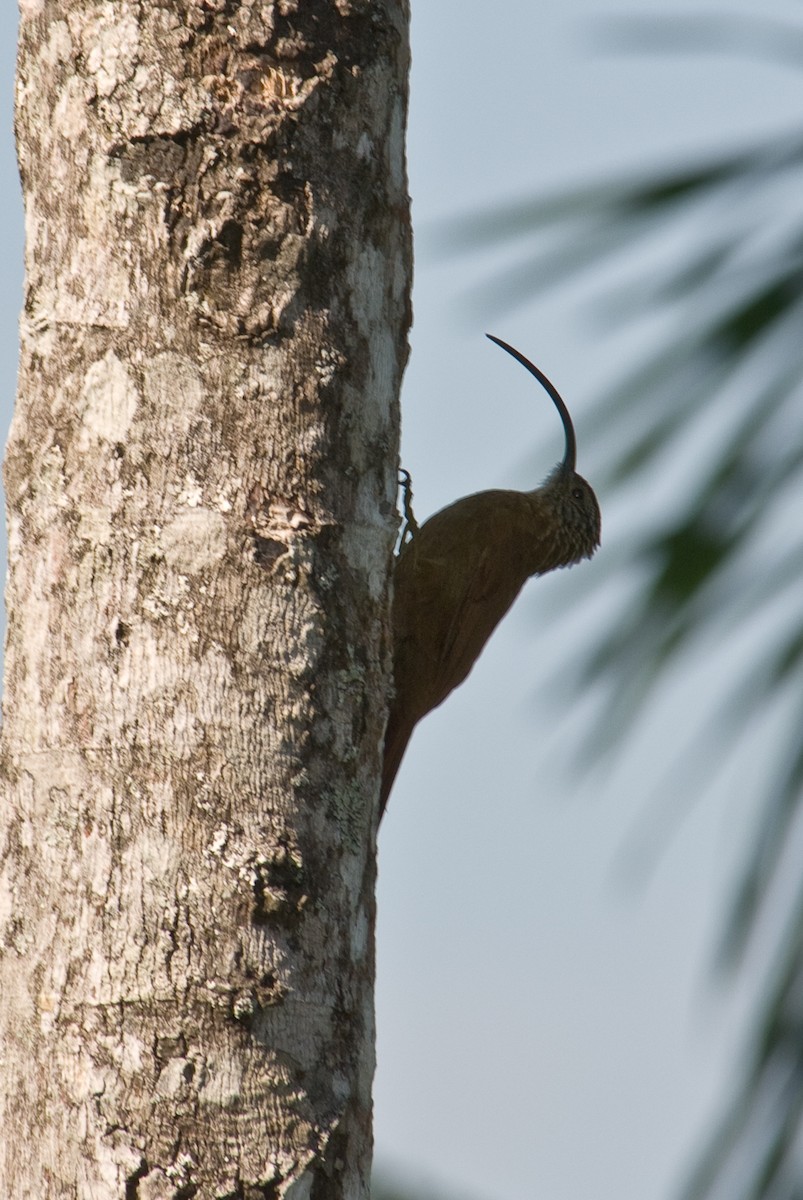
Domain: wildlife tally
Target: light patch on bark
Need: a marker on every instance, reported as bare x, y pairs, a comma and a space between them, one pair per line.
195, 541
173, 386
110, 400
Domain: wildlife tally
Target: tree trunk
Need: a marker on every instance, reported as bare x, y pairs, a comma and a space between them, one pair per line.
201, 478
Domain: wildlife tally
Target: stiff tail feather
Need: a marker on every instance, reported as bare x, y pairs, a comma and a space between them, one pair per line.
396, 738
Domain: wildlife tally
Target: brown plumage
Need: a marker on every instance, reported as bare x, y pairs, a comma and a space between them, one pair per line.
461, 571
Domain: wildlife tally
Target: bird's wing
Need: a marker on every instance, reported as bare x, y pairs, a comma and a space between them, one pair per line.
454, 583
488, 590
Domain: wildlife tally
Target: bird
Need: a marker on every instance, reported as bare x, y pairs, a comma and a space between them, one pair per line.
457, 575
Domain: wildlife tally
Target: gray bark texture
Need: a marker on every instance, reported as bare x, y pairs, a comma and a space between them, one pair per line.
201, 481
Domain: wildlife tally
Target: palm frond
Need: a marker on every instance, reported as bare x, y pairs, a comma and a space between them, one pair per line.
781, 42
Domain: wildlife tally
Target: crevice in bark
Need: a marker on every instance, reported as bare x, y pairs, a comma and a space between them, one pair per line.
328, 1181
122, 633
186, 1191
253, 1191
280, 895
133, 1180
267, 551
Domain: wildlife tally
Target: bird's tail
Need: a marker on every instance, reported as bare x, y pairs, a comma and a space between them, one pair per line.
396, 738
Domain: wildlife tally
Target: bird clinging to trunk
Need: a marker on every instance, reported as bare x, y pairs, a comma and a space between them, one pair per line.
461, 571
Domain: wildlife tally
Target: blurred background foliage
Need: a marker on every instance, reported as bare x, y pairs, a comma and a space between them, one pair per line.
722, 565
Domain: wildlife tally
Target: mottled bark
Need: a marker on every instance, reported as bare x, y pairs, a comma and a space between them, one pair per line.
201, 478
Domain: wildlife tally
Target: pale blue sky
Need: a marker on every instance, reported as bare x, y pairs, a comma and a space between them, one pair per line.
545, 1032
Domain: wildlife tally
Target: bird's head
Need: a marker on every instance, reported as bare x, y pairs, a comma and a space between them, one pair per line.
564, 492
573, 501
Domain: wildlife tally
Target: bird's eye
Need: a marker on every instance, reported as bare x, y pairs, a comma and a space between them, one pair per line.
577, 493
